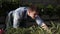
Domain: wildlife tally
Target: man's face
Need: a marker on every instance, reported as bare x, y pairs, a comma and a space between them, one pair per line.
32, 14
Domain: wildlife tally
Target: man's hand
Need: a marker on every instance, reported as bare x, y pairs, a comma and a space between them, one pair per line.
44, 26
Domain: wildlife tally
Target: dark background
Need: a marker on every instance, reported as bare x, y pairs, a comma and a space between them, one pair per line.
49, 10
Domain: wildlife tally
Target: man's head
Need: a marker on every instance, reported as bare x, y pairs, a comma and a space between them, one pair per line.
32, 12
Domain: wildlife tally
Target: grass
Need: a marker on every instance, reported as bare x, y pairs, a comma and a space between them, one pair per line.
55, 29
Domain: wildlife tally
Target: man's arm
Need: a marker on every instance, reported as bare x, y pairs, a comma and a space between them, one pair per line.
41, 23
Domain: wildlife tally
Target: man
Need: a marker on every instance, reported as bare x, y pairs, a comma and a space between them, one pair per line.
21, 13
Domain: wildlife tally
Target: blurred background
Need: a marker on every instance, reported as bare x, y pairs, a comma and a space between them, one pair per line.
49, 10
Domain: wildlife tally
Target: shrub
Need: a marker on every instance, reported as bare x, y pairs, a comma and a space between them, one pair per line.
55, 29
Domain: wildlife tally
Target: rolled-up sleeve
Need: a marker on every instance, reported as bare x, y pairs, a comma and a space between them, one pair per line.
39, 21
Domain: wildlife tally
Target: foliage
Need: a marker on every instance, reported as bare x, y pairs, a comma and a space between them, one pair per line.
55, 29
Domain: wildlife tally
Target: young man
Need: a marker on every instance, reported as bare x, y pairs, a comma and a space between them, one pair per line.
21, 13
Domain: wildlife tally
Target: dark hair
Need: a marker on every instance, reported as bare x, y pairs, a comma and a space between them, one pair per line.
32, 7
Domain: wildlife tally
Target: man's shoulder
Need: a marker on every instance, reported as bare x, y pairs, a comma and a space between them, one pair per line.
21, 8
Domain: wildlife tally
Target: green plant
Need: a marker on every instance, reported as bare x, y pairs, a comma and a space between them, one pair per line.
55, 29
